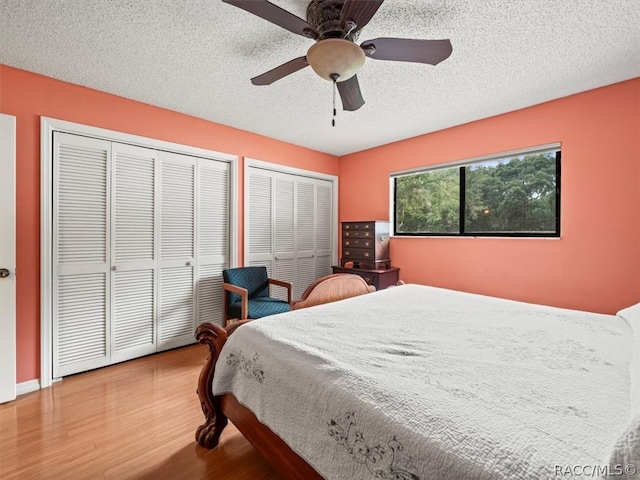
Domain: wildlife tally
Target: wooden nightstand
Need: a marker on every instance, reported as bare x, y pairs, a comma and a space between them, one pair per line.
380, 279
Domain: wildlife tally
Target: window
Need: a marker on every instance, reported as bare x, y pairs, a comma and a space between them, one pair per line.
513, 195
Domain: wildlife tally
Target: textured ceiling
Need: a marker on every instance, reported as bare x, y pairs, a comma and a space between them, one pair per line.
197, 56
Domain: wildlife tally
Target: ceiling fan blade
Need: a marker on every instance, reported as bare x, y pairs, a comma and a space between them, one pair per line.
408, 50
359, 11
350, 94
282, 71
274, 14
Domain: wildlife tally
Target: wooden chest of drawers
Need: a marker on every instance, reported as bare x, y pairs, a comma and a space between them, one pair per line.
366, 244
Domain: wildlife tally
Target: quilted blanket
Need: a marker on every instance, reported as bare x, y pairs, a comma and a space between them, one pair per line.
415, 382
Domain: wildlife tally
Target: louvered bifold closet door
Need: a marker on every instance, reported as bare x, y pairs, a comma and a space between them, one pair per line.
212, 238
81, 197
133, 266
259, 211
324, 228
177, 250
305, 233
289, 226
284, 260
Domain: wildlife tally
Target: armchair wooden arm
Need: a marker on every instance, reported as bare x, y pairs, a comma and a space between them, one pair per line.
244, 294
286, 285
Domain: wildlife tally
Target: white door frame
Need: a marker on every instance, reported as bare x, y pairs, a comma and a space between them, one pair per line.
7, 258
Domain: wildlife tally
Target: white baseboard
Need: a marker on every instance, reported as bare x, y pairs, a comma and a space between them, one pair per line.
27, 387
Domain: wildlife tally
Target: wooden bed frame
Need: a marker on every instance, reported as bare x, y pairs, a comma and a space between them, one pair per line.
332, 288
219, 409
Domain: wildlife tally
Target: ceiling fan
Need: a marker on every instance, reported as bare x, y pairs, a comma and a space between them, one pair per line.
335, 26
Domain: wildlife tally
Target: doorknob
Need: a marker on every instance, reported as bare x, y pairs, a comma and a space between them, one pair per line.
4, 272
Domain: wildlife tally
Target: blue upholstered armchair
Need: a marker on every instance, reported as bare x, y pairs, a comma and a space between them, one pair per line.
246, 294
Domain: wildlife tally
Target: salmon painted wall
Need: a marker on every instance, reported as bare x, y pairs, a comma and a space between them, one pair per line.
28, 96
595, 264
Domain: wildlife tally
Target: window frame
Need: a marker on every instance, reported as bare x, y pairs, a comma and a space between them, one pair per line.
460, 166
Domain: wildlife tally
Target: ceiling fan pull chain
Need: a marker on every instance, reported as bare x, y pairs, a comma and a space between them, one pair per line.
334, 77
333, 120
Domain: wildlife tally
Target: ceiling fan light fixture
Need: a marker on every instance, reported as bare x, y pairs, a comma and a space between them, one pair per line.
335, 56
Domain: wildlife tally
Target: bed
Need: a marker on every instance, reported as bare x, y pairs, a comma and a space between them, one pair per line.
417, 382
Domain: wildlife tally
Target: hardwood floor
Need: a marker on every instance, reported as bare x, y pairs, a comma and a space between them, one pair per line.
134, 420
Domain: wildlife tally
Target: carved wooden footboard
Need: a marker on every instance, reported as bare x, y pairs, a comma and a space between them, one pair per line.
217, 409
209, 432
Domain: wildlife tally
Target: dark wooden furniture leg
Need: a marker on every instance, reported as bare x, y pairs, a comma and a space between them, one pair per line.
209, 432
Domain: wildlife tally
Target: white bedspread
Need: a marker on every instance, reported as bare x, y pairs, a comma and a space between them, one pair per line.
416, 382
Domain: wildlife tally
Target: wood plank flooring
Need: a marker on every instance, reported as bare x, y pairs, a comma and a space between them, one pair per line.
134, 420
